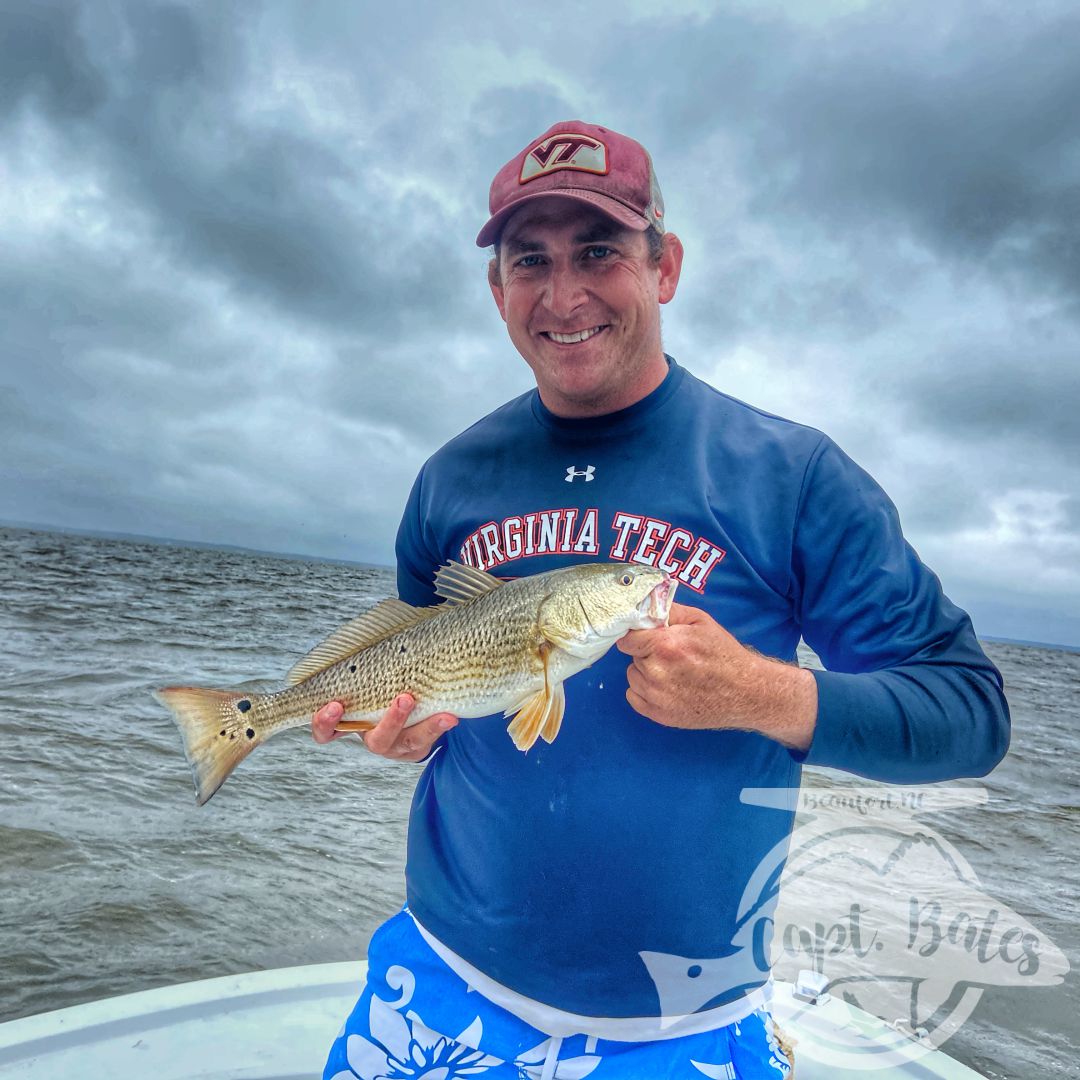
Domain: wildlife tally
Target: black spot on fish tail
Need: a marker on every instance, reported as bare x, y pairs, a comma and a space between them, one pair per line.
352, 667
222, 732
403, 648
250, 733
243, 705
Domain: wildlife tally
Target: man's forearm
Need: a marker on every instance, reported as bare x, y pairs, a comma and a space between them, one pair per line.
782, 703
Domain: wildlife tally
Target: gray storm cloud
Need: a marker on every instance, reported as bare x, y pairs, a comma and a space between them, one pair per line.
241, 302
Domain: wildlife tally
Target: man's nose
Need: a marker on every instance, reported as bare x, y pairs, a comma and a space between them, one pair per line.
565, 291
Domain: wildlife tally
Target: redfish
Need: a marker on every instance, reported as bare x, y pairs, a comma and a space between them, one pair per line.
491, 646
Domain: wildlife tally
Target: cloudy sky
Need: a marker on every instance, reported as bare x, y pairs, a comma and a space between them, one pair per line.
240, 300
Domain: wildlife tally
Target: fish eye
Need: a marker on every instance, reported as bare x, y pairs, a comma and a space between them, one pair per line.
626, 579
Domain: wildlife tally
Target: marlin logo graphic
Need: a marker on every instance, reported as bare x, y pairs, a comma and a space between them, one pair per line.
572, 472
914, 935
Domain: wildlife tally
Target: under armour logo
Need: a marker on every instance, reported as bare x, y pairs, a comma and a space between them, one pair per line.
587, 472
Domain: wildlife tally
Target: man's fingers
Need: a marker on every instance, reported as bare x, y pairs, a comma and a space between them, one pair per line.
415, 743
635, 680
646, 685
684, 613
324, 721
639, 704
637, 642
390, 737
434, 726
381, 738
643, 642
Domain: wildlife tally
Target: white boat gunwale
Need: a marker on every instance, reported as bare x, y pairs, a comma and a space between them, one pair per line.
249, 1026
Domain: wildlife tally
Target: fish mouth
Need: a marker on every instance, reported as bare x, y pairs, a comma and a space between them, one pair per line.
657, 605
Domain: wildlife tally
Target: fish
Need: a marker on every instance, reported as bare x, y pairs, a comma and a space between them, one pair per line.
491, 646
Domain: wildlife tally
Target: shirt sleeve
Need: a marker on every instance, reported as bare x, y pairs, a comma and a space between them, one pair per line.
908, 695
417, 553
417, 563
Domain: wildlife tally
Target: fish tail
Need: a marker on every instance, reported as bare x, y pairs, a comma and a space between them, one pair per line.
216, 736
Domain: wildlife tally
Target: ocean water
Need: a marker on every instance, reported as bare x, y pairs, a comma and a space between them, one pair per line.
114, 881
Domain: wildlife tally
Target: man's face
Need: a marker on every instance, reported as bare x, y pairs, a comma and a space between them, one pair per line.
581, 298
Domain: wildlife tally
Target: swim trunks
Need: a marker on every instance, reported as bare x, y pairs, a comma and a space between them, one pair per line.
416, 1019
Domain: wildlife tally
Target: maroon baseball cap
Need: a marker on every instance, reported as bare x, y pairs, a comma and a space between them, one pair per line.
580, 161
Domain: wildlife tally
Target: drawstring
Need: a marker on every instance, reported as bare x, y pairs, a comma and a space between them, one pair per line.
548, 1072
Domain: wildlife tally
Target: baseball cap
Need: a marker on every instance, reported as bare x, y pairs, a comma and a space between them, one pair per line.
580, 161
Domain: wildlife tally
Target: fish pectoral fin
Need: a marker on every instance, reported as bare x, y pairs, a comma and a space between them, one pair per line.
532, 719
555, 713
384, 619
540, 716
458, 584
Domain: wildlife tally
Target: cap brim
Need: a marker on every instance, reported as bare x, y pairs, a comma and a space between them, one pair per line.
622, 213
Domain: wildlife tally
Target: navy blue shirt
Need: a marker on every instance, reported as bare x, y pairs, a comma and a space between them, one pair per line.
554, 871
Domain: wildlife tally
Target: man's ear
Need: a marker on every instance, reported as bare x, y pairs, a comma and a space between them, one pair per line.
670, 266
495, 284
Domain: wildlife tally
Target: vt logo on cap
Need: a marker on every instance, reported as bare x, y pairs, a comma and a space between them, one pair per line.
586, 162
565, 151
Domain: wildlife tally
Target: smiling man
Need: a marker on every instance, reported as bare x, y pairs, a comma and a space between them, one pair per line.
578, 910
580, 295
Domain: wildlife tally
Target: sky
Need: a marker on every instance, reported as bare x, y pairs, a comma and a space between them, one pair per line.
241, 300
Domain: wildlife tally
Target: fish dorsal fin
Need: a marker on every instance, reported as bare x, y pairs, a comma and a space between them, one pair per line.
385, 618
458, 584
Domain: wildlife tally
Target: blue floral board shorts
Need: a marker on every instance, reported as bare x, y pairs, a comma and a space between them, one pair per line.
416, 1019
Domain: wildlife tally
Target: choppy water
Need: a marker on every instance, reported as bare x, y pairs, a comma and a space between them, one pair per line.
113, 880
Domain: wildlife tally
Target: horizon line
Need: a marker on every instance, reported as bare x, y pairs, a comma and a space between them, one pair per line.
174, 541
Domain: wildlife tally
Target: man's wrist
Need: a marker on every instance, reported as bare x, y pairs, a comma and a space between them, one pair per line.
788, 704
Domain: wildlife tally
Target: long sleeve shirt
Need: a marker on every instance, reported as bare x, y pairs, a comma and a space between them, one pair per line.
563, 873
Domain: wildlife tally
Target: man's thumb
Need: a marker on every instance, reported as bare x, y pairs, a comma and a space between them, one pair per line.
683, 613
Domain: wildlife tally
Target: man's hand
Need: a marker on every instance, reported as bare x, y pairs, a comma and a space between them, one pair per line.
389, 738
694, 674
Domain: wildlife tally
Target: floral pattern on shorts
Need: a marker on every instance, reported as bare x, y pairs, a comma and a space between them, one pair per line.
418, 1020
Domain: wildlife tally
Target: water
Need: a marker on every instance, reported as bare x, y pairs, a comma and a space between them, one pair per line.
114, 881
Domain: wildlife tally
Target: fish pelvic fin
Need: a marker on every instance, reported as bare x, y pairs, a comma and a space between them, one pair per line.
214, 730
540, 716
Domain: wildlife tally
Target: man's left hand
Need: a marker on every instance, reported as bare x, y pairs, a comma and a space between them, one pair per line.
694, 674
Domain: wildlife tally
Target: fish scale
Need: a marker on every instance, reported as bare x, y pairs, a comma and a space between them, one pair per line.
484, 654
491, 647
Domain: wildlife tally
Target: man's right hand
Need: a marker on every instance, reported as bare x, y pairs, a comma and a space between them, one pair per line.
389, 737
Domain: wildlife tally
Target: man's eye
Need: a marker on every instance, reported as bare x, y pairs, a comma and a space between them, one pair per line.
528, 261
598, 251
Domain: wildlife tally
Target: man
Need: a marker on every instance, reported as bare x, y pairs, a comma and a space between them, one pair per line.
575, 910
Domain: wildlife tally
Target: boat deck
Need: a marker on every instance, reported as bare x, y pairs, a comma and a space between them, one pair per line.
278, 1025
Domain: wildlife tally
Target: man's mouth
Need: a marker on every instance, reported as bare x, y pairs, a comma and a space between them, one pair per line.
572, 339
